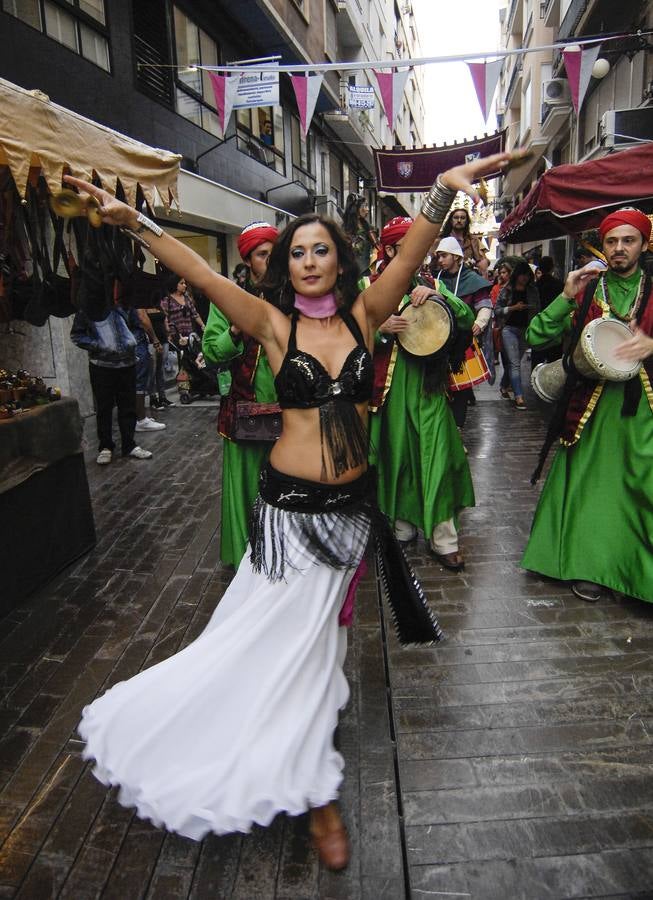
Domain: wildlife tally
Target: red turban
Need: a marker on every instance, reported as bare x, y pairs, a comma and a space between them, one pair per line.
395, 229
253, 235
627, 216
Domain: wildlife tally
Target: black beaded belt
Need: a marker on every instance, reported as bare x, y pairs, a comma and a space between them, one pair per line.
299, 495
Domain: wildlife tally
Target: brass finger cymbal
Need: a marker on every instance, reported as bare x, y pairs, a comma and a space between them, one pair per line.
69, 205
93, 212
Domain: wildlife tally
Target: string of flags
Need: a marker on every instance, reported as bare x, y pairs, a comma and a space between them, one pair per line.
227, 81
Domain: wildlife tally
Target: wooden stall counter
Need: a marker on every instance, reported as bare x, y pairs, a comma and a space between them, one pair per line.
46, 519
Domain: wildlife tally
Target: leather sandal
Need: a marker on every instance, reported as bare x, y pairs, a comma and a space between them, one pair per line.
452, 561
332, 848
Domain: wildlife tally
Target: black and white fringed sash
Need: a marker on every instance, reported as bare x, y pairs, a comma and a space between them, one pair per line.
316, 511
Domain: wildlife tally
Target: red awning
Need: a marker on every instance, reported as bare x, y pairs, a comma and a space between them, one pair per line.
571, 199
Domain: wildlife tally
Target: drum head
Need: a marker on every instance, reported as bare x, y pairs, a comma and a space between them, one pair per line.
599, 341
431, 328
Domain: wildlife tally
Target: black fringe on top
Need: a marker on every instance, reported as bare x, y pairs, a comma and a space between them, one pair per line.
343, 436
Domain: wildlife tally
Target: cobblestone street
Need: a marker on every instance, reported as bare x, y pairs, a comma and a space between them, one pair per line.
513, 760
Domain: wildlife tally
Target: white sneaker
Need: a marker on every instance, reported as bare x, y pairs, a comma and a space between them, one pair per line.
139, 453
148, 424
104, 457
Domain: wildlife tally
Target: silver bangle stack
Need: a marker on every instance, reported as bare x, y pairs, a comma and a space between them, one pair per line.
144, 224
437, 203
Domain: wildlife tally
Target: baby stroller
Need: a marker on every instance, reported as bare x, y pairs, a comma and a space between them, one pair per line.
196, 379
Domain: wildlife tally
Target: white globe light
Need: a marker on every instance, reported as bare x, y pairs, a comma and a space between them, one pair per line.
600, 68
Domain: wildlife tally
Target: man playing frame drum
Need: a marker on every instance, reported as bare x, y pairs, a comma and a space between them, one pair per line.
594, 522
423, 474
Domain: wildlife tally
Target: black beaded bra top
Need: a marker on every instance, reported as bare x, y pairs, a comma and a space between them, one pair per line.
303, 383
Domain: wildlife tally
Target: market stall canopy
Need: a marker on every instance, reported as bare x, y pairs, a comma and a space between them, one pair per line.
574, 198
38, 134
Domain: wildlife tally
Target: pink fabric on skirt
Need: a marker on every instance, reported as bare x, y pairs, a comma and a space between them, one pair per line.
346, 616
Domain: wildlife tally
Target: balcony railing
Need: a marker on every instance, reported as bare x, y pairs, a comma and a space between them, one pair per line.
514, 78
572, 18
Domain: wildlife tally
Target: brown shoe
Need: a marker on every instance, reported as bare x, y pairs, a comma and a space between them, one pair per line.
332, 848
452, 561
329, 837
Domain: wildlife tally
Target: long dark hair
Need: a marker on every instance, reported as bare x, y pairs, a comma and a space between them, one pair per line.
276, 285
447, 228
351, 221
521, 268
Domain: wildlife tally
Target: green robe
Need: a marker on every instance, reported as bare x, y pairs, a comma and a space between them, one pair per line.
242, 460
594, 519
424, 475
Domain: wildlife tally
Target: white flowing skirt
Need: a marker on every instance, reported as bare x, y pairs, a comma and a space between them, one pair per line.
239, 725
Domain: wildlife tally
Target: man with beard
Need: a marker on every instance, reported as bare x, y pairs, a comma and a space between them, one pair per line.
473, 290
458, 226
594, 522
423, 474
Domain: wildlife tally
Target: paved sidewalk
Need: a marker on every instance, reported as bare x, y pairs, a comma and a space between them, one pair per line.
512, 761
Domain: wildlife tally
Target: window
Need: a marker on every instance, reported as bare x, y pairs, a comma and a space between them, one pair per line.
194, 94
302, 150
260, 135
152, 52
80, 25
335, 178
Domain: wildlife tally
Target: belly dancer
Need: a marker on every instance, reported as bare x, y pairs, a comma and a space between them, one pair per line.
238, 726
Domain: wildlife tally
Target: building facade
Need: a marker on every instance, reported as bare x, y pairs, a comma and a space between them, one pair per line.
535, 101
131, 65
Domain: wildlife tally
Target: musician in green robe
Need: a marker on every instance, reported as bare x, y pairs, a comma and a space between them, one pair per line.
593, 525
424, 479
251, 381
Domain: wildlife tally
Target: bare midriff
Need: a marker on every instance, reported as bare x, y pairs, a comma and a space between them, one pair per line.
298, 451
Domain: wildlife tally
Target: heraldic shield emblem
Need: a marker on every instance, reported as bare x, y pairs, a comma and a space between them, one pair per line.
404, 168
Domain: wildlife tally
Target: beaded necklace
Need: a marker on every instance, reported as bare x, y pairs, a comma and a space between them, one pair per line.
632, 312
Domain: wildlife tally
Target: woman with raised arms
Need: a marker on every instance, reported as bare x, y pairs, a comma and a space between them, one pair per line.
238, 726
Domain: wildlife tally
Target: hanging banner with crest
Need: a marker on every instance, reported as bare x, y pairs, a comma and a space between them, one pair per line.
398, 171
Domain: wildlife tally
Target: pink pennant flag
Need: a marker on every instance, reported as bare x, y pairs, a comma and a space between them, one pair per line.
224, 88
391, 87
579, 64
485, 76
307, 89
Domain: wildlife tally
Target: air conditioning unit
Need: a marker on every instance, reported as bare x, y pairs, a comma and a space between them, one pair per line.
555, 92
626, 126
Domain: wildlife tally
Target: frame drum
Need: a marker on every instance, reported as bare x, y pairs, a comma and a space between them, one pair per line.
431, 329
594, 359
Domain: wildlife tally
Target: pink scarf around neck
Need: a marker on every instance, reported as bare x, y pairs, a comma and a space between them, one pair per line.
316, 307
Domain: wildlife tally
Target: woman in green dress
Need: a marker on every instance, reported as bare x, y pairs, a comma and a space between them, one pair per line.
251, 380
594, 522
424, 479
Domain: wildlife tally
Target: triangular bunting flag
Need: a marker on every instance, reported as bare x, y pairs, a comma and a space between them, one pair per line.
307, 89
224, 88
391, 87
485, 76
579, 64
